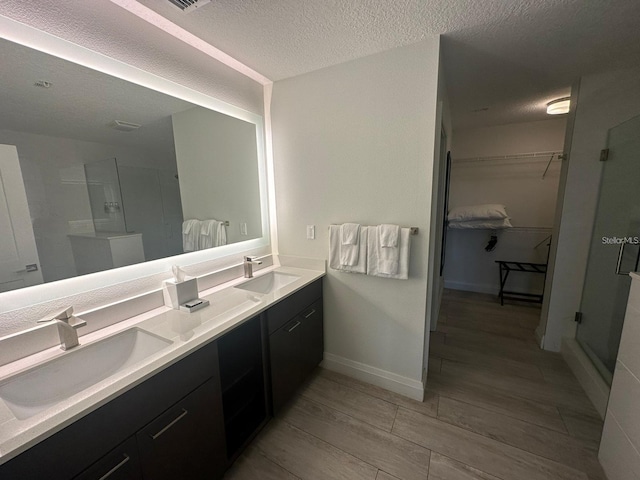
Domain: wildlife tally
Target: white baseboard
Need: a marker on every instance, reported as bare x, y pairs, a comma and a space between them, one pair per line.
590, 379
407, 387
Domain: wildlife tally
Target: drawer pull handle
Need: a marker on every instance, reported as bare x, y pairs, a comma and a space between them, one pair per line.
184, 412
313, 310
108, 474
294, 327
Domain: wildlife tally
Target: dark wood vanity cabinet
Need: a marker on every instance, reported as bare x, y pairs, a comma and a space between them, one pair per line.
296, 342
242, 378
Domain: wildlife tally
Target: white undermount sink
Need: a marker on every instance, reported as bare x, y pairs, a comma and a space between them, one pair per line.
269, 282
45, 385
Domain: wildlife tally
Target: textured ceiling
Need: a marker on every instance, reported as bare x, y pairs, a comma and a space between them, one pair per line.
510, 56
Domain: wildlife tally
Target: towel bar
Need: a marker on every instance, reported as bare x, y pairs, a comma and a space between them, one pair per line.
413, 230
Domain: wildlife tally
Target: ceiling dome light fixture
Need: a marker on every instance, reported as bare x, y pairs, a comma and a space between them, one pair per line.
559, 106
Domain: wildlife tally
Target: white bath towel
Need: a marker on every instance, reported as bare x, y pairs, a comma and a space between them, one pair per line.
380, 259
208, 233
335, 245
349, 244
213, 233
191, 235
389, 235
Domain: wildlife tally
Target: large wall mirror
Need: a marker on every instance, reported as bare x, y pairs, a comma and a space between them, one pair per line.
98, 173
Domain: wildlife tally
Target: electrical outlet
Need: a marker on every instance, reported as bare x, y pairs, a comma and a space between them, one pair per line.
311, 232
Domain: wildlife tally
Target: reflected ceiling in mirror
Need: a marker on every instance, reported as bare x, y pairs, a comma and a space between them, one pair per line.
110, 173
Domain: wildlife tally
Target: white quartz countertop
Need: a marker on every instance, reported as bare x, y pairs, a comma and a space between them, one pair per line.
228, 308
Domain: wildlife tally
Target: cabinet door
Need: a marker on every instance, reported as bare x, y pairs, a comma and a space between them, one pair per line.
286, 373
186, 441
121, 463
311, 338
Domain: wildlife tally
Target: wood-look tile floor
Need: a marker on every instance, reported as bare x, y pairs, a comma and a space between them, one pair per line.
496, 407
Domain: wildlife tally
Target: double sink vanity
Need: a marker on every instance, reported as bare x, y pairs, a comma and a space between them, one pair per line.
166, 394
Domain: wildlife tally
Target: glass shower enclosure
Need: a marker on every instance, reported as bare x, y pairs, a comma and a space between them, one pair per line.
127, 199
614, 251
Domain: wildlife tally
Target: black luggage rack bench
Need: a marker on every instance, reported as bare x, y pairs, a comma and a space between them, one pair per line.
526, 267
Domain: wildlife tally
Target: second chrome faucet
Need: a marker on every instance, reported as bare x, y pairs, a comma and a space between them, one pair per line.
249, 262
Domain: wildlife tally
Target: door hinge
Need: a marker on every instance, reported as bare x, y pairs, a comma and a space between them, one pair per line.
578, 317
604, 154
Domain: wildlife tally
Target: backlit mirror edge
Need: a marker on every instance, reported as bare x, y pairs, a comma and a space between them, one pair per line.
25, 35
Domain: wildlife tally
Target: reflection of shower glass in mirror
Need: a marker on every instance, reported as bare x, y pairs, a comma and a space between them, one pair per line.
113, 173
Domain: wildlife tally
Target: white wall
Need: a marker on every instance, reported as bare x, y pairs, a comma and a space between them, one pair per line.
355, 142
217, 160
54, 177
604, 101
516, 183
620, 442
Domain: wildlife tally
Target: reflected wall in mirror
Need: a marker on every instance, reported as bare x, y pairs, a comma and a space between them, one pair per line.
80, 192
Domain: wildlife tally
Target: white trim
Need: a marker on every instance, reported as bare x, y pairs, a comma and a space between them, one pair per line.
405, 386
595, 387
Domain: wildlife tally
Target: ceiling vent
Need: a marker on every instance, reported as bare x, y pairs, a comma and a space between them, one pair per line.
124, 126
189, 5
43, 84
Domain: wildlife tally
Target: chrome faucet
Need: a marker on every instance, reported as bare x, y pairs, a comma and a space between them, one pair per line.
67, 327
249, 262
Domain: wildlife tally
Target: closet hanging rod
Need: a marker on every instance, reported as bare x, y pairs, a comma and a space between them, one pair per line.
519, 156
413, 230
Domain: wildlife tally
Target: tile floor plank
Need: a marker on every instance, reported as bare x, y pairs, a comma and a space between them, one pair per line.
445, 468
486, 397
389, 453
503, 329
587, 428
309, 457
538, 391
385, 476
435, 364
485, 454
526, 436
252, 464
497, 364
345, 399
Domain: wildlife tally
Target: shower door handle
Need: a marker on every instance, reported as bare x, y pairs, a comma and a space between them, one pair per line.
620, 254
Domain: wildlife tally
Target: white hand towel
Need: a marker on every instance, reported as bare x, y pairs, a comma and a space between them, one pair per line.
335, 246
221, 234
191, 235
378, 263
349, 233
208, 232
349, 244
389, 235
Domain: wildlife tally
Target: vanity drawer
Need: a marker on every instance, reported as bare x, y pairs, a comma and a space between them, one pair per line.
186, 441
291, 306
122, 463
